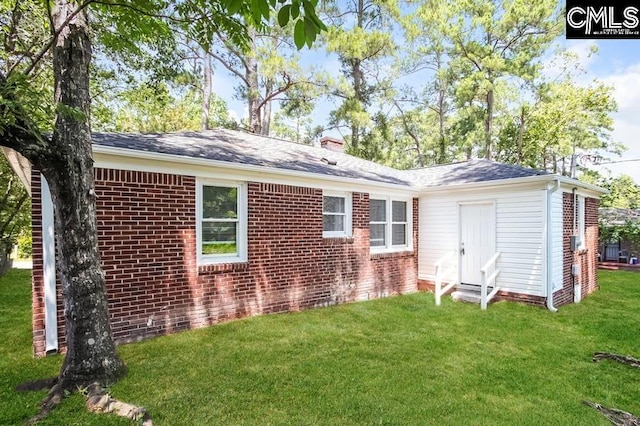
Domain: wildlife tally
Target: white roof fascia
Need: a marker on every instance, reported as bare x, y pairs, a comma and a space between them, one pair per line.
20, 165
595, 190
129, 159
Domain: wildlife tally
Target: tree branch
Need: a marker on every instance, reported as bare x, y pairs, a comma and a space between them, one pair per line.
229, 67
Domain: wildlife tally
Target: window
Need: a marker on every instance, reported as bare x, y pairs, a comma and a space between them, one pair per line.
378, 223
389, 224
581, 223
399, 223
336, 215
221, 223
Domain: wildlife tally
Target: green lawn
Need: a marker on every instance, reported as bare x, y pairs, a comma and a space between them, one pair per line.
394, 361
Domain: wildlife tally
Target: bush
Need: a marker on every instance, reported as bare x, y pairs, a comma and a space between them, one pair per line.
25, 245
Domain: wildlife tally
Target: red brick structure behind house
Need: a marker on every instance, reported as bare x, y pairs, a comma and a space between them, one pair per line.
586, 259
147, 237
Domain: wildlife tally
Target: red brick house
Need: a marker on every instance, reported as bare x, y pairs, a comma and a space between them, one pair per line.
199, 228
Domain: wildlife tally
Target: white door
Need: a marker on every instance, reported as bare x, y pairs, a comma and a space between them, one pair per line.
477, 239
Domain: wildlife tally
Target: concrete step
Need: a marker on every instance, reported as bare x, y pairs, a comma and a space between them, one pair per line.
466, 296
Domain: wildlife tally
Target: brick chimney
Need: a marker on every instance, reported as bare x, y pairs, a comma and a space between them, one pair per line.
332, 144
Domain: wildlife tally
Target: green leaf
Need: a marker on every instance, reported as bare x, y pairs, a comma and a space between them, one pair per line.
265, 10
75, 113
310, 12
298, 34
295, 9
233, 6
283, 15
310, 31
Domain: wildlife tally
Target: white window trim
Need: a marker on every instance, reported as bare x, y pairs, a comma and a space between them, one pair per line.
242, 241
582, 224
389, 247
348, 214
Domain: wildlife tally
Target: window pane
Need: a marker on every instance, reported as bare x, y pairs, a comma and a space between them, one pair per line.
333, 223
399, 235
377, 237
377, 210
334, 205
219, 238
219, 202
399, 211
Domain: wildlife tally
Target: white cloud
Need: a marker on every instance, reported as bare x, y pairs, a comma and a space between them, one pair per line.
626, 84
626, 90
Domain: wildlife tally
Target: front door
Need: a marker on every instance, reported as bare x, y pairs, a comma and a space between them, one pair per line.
477, 239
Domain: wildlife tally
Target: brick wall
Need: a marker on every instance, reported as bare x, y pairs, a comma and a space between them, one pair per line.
147, 237
586, 259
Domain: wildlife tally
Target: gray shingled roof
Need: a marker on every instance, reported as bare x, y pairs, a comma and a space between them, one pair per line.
244, 148
478, 170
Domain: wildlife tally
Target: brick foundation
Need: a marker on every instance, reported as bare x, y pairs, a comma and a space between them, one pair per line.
147, 239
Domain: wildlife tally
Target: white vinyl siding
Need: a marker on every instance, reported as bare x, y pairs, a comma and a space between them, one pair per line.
519, 234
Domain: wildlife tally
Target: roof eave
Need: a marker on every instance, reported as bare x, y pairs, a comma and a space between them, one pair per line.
514, 181
146, 155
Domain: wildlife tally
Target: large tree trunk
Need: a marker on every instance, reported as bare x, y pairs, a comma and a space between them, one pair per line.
68, 167
206, 91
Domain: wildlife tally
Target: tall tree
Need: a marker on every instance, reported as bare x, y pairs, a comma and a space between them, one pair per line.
426, 62
64, 159
499, 39
565, 119
267, 68
361, 36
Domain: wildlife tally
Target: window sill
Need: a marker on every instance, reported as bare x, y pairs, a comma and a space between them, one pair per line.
223, 267
403, 252
334, 240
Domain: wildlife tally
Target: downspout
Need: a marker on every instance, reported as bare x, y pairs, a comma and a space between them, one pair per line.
574, 192
549, 248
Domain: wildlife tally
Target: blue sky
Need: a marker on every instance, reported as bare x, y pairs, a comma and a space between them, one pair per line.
616, 63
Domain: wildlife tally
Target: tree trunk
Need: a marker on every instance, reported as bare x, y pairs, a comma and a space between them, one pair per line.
356, 73
442, 140
68, 167
521, 136
206, 91
266, 112
253, 93
488, 127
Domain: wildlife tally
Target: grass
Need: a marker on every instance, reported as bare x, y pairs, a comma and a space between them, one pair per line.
394, 361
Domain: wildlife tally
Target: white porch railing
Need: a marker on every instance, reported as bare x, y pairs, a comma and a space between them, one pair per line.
489, 281
444, 266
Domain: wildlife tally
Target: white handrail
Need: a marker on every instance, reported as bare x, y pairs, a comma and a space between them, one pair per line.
439, 291
491, 261
486, 282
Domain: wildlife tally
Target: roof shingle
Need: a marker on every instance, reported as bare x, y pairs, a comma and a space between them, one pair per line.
243, 148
